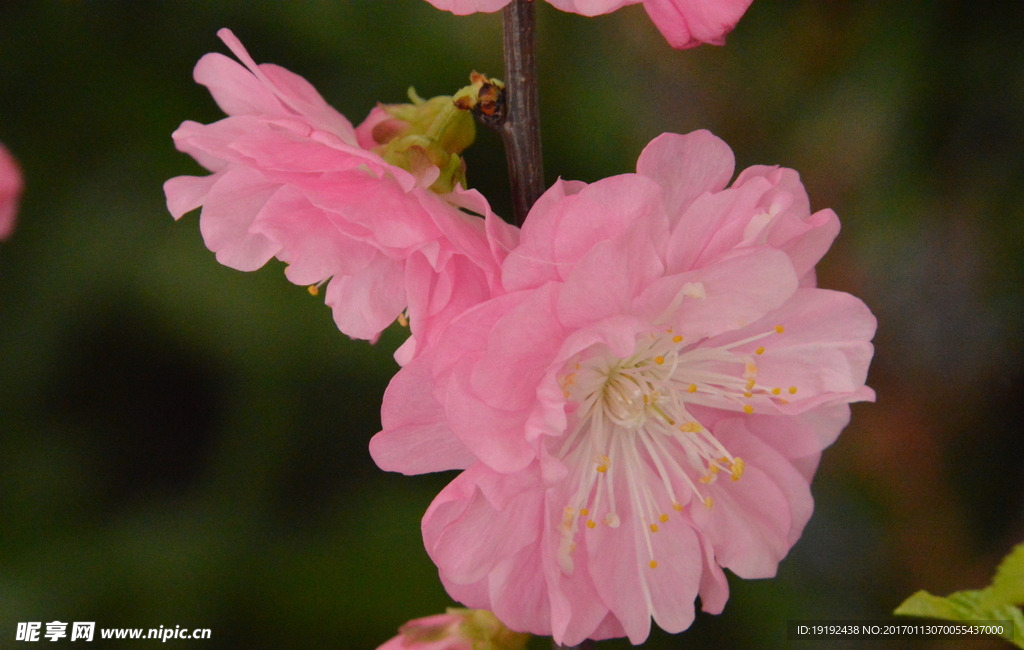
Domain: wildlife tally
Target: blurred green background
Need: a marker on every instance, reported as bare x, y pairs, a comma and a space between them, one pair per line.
184, 444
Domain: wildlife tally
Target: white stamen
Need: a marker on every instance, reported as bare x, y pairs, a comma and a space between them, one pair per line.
635, 436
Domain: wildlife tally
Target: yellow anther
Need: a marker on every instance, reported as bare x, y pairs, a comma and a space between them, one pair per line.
776, 391
748, 394
677, 339
602, 468
692, 388
584, 512
664, 517
678, 507
750, 369
654, 528
313, 290
659, 360
707, 478
653, 564
647, 399
691, 427
750, 384
737, 468
779, 329
591, 523
748, 409
792, 390
708, 502
403, 320
759, 350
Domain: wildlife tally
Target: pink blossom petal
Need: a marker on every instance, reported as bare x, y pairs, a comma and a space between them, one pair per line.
520, 598
186, 193
713, 225
688, 23
11, 186
532, 262
714, 587
531, 323
605, 282
294, 95
686, 166
415, 438
235, 89
490, 433
232, 205
591, 7
465, 7
364, 305
313, 244
724, 296
806, 434
599, 212
460, 528
755, 520
823, 351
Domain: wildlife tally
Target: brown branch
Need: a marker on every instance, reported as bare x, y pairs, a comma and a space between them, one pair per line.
520, 128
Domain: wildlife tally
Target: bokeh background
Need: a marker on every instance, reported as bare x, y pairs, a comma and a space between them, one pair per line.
184, 444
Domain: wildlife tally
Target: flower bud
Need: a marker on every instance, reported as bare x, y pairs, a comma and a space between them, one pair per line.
457, 629
422, 134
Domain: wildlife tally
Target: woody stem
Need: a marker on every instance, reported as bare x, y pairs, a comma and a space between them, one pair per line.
520, 130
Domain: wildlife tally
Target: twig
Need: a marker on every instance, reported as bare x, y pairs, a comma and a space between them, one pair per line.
520, 129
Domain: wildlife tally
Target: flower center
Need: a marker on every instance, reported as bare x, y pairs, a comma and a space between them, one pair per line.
636, 446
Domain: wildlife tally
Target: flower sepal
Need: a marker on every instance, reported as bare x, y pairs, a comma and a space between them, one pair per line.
422, 134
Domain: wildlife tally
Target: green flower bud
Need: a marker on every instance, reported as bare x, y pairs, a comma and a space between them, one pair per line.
430, 132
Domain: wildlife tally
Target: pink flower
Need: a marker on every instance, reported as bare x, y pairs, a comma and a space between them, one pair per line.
645, 406
457, 629
684, 23
290, 180
11, 185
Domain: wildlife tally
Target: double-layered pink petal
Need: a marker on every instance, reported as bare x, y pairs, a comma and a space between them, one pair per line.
291, 181
646, 406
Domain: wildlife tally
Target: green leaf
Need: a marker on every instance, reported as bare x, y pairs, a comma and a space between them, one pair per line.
994, 603
959, 606
1008, 583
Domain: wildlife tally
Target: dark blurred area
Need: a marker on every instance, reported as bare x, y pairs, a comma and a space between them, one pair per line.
184, 444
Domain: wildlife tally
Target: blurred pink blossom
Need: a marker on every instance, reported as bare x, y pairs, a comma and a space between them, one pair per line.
457, 629
645, 405
684, 23
290, 180
11, 186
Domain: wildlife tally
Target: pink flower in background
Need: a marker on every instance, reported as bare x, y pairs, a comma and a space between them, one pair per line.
645, 405
684, 23
290, 180
688, 23
457, 629
11, 186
